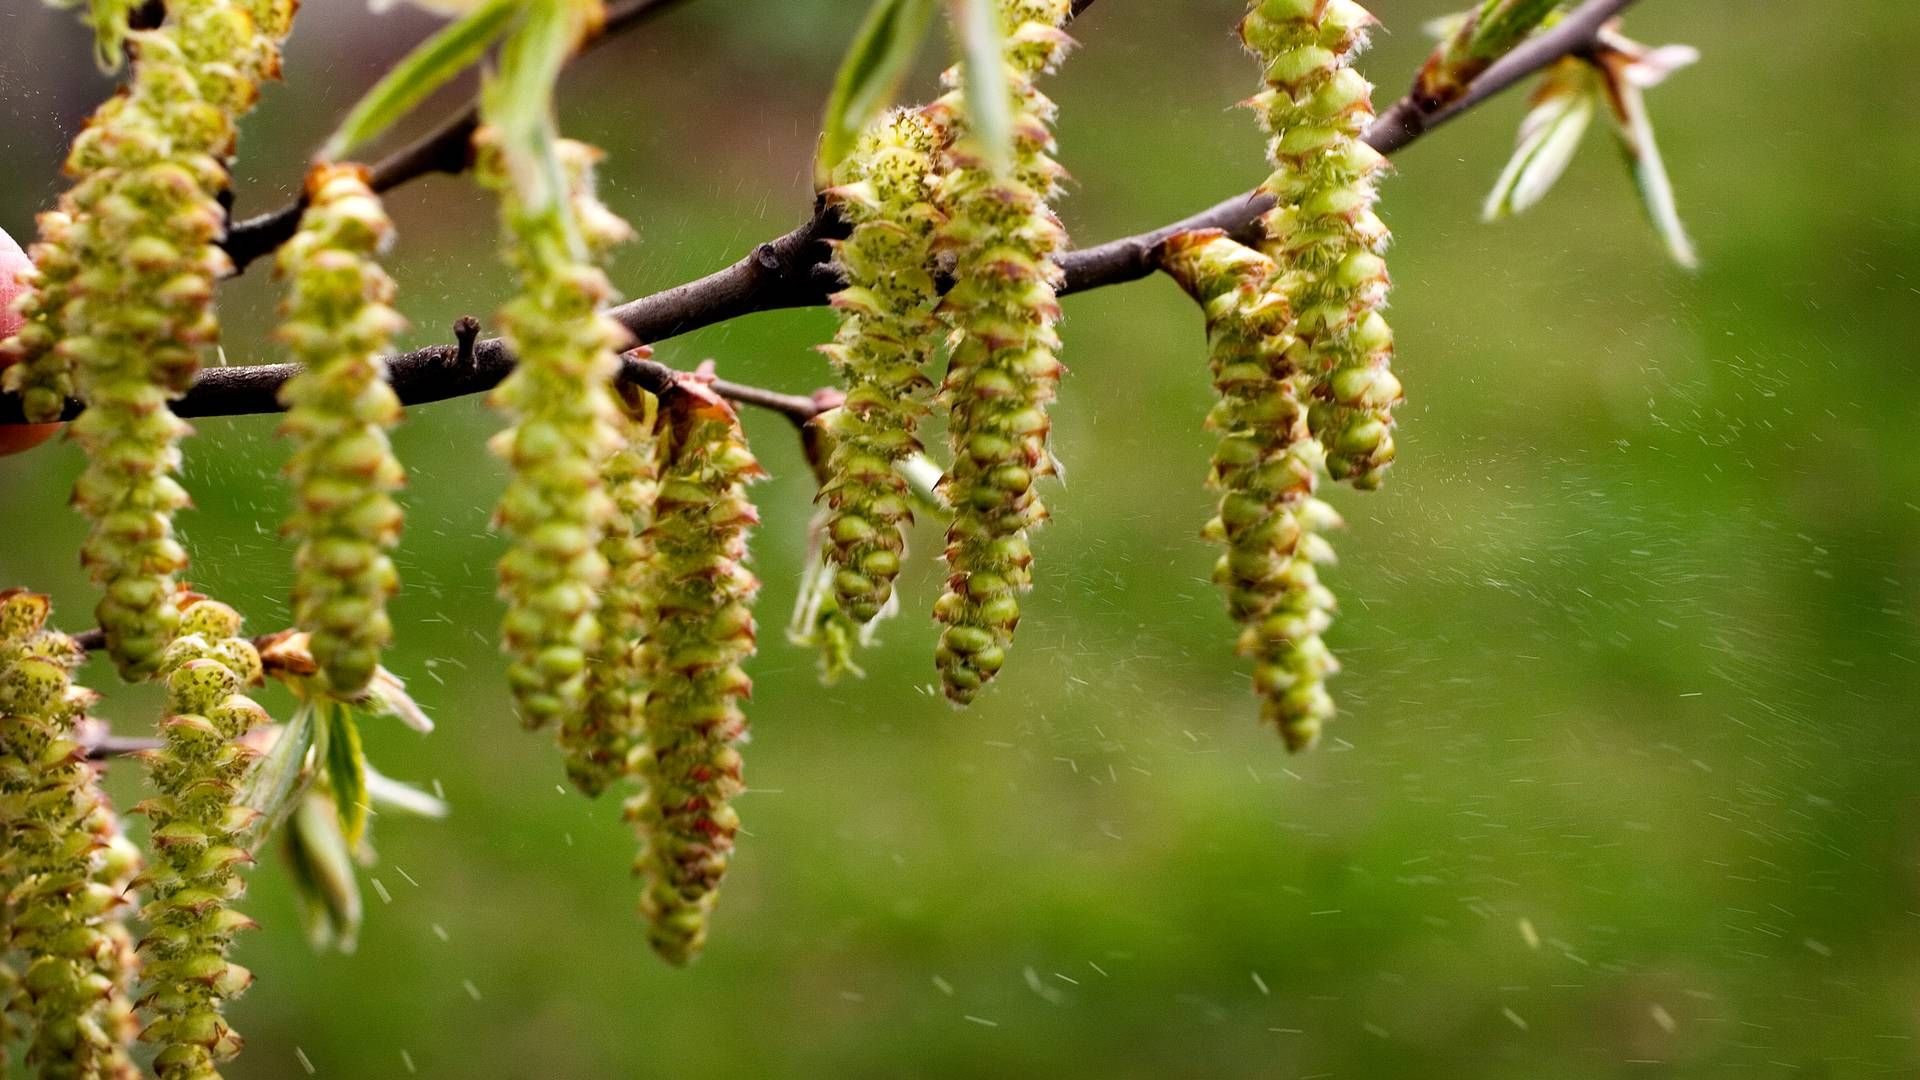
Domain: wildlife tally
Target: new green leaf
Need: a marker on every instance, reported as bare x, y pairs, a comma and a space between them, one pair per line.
984, 81
427, 68
869, 77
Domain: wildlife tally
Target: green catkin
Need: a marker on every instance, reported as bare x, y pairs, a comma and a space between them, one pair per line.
613, 722
887, 333
1267, 467
125, 297
703, 593
1323, 230
1004, 366
41, 374
337, 321
198, 831
65, 865
565, 425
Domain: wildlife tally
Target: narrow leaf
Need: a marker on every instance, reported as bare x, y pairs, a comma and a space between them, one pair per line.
983, 79
1634, 126
427, 68
322, 871
869, 77
517, 101
347, 773
278, 780
1563, 107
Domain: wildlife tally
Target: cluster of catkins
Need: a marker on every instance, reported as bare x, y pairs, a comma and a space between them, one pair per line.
64, 867
1301, 355
1004, 363
123, 302
1323, 230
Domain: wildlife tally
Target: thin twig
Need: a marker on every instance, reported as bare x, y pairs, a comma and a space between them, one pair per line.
448, 148
794, 270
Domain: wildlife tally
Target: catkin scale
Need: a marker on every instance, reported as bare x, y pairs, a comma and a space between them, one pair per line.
703, 593
198, 832
123, 303
565, 425
337, 321
1267, 467
64, 865
1004, 364
887, 333
1323, 229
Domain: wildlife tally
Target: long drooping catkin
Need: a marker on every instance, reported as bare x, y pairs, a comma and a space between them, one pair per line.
337, 321
565, 425
887, 334
198, 829
1005, 364
1267, 467
611, 729
703, 594
1323, 230
64, 866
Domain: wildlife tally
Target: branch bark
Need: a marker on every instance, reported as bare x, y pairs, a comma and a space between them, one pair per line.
794, 270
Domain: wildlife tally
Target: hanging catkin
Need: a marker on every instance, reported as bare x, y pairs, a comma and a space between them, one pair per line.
1267, 466
64, 865
612, 725
565, 425
887, 333
123, 305
1004, 366
1323, 230
337, 321
703, 594
198, 833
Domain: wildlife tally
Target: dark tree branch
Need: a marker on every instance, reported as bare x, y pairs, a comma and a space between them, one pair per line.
794, 270
448, 148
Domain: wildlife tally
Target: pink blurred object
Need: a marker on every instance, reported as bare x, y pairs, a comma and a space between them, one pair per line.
15, 437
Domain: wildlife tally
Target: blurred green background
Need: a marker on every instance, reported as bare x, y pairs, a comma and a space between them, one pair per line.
1623, 784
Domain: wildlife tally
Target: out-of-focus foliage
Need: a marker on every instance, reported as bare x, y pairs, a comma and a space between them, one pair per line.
1624, 784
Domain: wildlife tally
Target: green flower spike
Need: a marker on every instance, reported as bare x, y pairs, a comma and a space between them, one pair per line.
1266, 467
887, 333
337, 320
566, 424
1324, 231
124, 298
599, 742
200, 836
65, 866
703, 595
1004, 366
